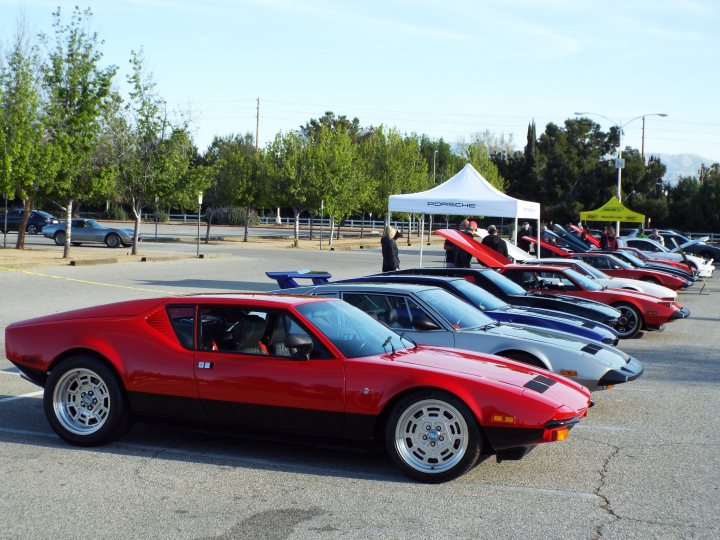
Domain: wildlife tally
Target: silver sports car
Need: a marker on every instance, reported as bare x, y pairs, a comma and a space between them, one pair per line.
433, 316
90, 231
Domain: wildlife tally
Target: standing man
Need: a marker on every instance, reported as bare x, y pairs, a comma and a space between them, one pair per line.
525, 230
492, 240
450, 248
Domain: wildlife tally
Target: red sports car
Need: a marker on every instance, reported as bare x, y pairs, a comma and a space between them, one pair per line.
615, 267
300, 365
639, 310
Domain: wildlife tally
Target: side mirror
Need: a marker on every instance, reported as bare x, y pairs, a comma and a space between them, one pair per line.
423, 322
302, 343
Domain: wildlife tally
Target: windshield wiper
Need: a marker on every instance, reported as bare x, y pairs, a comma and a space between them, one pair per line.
385, 343
411, 340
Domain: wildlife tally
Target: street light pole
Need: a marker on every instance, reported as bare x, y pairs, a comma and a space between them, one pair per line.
619, 163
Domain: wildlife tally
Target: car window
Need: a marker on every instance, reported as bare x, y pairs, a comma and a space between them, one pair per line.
182, 318
557, 280
391, 310
502, 283
458, 313
355, 333
242, 330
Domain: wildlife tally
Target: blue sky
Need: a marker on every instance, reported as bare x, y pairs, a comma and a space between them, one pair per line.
448, 68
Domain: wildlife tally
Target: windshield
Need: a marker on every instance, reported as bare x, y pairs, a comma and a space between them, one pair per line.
479, 297
504, 284
633, 259
352, 331
93, 224
589, 284
619, 261
458, 313
591, 270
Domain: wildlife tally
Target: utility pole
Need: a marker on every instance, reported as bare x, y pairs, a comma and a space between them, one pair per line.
642, 144
257, 125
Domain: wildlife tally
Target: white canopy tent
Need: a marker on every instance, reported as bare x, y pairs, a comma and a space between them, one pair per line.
465, 194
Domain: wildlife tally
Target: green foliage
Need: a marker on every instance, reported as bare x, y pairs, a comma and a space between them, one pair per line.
117, 213
231, 215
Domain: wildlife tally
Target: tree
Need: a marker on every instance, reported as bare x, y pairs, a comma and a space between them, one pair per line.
77, 92
153, 154
478, 157
235, 174
286, 168
25, 162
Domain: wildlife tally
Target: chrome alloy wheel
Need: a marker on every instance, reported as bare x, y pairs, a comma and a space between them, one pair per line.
431, 436
81, 401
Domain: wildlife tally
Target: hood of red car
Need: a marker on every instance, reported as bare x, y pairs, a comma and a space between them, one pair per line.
487, 366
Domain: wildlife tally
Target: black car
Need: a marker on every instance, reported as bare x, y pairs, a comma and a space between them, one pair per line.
37, 220
515, 295
693, 247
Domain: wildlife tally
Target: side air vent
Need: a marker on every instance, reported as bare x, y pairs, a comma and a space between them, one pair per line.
159, 321
540, 383
591, 348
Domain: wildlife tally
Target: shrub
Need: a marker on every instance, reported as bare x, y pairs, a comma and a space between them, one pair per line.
231, 215
117, 213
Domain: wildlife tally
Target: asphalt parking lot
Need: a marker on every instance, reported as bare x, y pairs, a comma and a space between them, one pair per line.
643, 464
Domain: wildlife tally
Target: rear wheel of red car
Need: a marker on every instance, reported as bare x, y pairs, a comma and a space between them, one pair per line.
432, 436
112, 240
84, 402
59, 238
630, 321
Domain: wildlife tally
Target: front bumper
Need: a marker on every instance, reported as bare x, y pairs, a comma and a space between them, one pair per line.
682, 313
629, 372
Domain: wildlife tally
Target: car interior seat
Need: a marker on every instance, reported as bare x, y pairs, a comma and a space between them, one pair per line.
248, 333
274, 338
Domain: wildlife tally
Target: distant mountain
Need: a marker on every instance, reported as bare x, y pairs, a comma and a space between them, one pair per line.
682, 165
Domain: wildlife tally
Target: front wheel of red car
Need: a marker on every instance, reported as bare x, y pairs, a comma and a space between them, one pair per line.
630, 321
432, 436
84, 402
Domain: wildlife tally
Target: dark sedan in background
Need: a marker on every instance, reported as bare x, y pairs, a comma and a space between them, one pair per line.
36, 221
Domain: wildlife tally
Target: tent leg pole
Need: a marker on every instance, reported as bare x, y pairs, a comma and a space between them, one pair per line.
422, 233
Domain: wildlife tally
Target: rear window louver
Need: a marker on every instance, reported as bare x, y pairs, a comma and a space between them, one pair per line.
591, 348
539, 383
158, 320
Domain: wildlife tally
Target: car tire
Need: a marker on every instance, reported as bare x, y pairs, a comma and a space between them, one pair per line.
85, 403
112, 240
432, 436
649, 279
59, 238
32, 229
630, 321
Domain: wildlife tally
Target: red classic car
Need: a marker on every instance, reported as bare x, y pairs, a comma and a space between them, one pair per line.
301, 365
615, 267
639, 310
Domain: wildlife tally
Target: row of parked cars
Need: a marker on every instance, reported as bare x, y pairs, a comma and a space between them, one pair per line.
440, 366
84, 231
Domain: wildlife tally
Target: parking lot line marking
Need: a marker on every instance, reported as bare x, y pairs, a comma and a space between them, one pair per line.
21, 396
28, 432
87, 282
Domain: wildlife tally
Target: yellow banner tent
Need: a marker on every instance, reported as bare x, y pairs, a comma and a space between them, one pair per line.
613, 210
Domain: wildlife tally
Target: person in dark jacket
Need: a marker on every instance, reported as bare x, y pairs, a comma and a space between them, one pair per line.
449, 247
525, 230
391, 258
462, 257
492, 240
